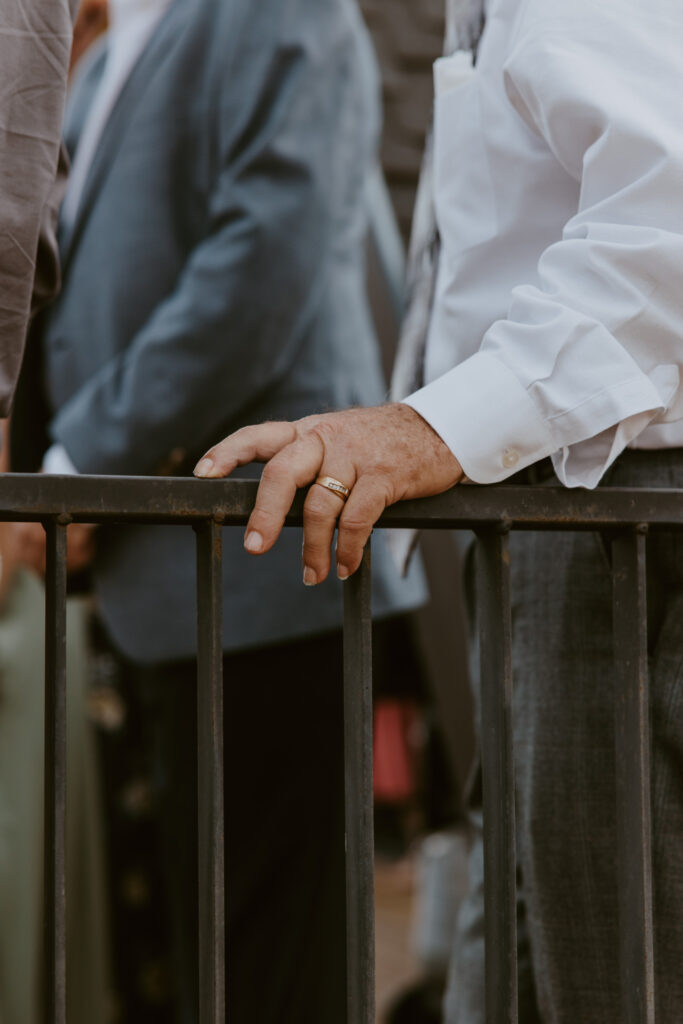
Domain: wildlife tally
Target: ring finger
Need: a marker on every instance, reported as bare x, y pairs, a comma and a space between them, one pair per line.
322, 508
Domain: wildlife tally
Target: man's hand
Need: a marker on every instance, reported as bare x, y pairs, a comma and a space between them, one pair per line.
26, 546
383, 455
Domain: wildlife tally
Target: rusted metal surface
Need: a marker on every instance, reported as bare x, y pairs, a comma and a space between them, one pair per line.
55, 773
360, 925
211, 824
26, 497
633, 778
492, 511
500, 863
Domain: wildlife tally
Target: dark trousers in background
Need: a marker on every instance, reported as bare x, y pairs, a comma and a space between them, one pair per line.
284, 814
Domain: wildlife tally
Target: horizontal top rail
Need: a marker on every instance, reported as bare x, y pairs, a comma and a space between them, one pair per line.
99, 499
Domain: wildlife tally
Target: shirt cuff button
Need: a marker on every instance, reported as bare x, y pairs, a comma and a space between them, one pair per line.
510, 458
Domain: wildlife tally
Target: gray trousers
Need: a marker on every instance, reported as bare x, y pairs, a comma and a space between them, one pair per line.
564, 763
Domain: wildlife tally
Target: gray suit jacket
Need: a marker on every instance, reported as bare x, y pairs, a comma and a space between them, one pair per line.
215, 276
35, 42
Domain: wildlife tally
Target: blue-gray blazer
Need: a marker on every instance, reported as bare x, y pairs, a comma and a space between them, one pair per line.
215, 276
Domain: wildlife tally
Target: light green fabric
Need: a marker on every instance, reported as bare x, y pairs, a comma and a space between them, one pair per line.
21, 817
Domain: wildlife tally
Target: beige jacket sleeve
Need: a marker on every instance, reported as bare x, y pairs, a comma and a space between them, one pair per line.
35, 42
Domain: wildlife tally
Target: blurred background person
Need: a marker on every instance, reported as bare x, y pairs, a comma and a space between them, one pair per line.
91, 24
213, 240
22, 673
35, 40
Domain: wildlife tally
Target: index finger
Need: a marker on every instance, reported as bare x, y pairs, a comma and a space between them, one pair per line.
258, 443
295, 466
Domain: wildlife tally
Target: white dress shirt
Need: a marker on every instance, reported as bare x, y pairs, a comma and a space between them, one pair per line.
558, 320
131, 24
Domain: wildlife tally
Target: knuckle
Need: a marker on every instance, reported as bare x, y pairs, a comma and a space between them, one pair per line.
355, 526
316, 514
263, 516
276, 472
317, 502
326, 431
380, 485
349, 542
316, 555
242, 434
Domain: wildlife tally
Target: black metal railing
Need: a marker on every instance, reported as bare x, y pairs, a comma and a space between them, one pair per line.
492, 512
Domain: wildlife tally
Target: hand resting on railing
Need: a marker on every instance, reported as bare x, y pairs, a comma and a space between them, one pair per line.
378, 456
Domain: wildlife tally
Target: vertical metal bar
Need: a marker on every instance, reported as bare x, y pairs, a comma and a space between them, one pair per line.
360, 911
633, 779
55, 772
498, 776
211, 825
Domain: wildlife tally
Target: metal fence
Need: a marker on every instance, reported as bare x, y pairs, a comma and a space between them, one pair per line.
492, 512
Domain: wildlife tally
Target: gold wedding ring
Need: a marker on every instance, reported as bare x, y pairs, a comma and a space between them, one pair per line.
336, 486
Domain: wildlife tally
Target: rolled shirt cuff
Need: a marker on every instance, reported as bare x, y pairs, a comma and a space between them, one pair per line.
486, 417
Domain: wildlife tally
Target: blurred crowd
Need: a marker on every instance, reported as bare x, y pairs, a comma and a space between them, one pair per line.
224, 192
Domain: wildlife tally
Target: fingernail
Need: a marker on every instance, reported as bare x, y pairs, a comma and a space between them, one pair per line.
253, 542
310, 576
204, 467
342, 572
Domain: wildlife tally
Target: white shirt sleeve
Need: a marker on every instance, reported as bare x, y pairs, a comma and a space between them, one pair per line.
592, 354
57, 462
